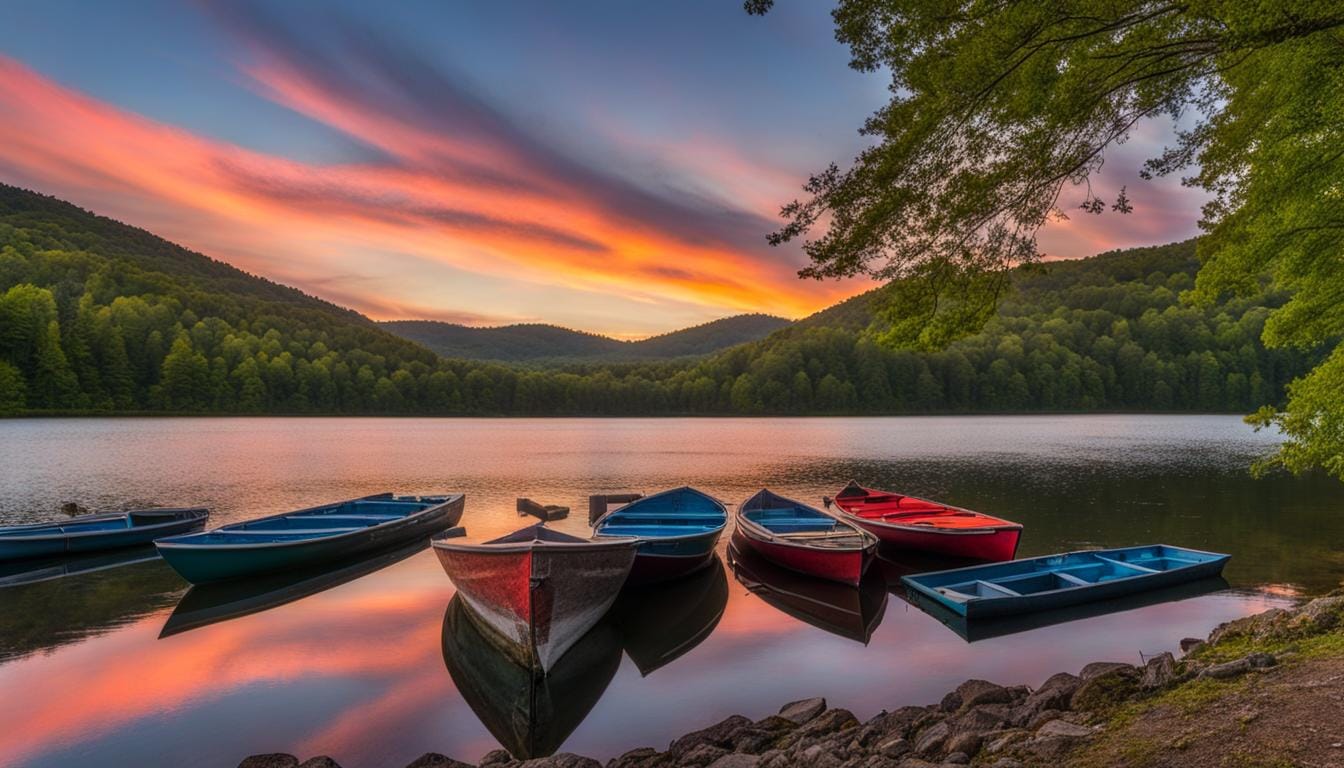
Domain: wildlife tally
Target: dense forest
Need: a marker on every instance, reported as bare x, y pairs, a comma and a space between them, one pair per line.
549, 345
96, 316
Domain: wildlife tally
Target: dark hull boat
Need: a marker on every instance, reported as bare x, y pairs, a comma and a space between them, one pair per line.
537, 591
529, 714
212, 603
309, 537
974, 630
1059, 581
844, 610
907, 522
94, 533
660, 623
679, 529
803, 538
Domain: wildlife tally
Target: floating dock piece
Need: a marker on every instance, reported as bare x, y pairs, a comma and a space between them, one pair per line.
544, 512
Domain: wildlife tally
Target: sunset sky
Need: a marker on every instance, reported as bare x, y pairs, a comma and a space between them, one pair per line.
608, 166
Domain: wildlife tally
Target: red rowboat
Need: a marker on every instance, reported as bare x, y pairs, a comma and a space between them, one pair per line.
802, 538
908, 522
537, 591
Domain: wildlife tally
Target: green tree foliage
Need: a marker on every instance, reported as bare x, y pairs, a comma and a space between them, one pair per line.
997, 108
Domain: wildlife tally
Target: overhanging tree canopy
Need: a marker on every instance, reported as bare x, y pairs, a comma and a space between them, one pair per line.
997, 106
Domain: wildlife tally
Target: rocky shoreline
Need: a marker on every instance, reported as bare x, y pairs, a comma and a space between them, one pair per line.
982, 723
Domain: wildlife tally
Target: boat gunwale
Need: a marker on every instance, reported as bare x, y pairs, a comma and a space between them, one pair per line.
452, 544
718, 529
754, 530
911, 580
7, 533
182, 545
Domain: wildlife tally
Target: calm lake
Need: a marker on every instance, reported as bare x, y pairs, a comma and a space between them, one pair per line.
122, 666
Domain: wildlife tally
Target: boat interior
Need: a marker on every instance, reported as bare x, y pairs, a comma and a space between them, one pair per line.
332, 520
672, 514
793, 519
1077, 569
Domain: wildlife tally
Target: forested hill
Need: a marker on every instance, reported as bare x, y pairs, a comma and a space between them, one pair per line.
551, 345
101, 317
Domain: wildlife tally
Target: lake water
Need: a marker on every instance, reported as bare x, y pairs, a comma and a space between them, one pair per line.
121, 666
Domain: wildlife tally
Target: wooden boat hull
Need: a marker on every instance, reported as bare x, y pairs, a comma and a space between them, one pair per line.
1060, 581
97, 533
536, 597
680, 531
207, 563
992, 545
786, 532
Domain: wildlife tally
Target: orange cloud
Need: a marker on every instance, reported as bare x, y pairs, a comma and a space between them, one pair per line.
420, 234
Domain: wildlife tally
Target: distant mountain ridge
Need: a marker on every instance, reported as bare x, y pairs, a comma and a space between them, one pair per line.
538, 342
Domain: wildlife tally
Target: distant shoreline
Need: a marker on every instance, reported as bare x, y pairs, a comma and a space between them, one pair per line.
606, 416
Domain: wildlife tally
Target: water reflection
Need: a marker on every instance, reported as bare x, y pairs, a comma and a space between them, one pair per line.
850, 612
211, 603
663, 622
530, 715
16, 573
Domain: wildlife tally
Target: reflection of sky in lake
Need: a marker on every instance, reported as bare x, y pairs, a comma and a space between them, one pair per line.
358, 672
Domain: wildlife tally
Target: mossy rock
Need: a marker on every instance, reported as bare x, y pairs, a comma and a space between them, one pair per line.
1106, 692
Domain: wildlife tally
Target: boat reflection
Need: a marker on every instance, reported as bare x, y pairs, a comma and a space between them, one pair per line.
662, 622
16, 573
973, 630
840, 609
529, 714
212, 603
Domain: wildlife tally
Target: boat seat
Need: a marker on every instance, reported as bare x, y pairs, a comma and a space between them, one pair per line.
1123, 564
294, 531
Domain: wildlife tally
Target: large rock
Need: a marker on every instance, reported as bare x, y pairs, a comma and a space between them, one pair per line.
562, 760
753, 740
1159, 672
736, 761
980, 720
1105, 684
894, 747
321, 761
830, 721
967, 743
802, 711
901, 722
495, 757
1319, 615
272, 760
930, 740
636, 758
975, 692
435, 760
1054, 694
1063, 728
719, 735
1259, 626
701, 755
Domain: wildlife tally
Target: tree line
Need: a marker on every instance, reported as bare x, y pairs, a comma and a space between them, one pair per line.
81, 331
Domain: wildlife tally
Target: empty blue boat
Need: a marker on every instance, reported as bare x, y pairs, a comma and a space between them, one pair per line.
307, 537
1058, 581
95, 533
679, 530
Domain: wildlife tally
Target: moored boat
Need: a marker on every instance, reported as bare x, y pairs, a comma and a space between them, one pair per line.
909, 522
803, 538
309, 537
97, 532
1058, 581
537, 591
679, 530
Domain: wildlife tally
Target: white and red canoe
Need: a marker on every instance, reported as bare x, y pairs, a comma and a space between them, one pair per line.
537, 591
908, 522
803, 538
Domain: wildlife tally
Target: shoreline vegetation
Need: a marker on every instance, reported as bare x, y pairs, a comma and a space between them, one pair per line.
100, 317
1264, 690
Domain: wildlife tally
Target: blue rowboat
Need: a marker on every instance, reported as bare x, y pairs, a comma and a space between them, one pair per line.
1057, 581
307, 537
94, 533
679, 530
